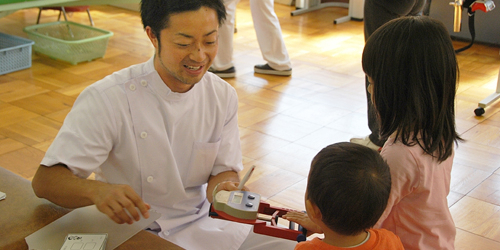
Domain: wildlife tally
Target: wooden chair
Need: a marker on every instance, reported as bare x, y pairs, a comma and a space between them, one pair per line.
65, 10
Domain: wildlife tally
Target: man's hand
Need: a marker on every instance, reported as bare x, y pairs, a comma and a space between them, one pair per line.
228, 180
228, 186
121, 203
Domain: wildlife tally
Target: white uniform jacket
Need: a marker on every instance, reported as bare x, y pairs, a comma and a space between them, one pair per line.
129, 128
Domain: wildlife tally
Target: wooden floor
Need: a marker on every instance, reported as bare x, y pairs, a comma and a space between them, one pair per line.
284, 121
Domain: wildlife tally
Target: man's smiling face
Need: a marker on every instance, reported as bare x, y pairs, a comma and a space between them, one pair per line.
188, 47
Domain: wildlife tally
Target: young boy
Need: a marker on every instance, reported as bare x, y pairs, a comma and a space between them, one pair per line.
347, 191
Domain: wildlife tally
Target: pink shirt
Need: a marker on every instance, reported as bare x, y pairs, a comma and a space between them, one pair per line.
417, 210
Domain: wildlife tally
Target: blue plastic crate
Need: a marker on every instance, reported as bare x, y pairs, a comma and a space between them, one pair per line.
15, 53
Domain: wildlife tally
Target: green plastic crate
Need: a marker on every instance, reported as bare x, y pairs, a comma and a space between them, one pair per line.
15, 53
69, 41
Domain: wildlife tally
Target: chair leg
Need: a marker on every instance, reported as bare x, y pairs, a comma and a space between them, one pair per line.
39, 14
64, 13
90, 18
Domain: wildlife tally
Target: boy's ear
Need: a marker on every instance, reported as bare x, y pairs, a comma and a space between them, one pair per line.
313, 211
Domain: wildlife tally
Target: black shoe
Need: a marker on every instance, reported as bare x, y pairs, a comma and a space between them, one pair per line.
228, 73
266, 69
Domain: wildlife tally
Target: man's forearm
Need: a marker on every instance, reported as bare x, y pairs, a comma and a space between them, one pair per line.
60, 186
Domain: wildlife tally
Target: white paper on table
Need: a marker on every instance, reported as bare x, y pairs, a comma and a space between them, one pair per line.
2, 195
86, 220
85, 241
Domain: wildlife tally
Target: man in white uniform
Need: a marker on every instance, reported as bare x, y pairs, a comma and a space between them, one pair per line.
271, 43
162, 135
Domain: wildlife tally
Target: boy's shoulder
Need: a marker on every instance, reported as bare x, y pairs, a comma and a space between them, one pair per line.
385, 239
315, 243
379, 239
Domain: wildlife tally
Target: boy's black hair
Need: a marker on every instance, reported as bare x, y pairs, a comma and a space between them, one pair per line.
350, 184
156, 13
412, 63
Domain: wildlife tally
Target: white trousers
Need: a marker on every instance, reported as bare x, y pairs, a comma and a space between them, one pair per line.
267, 29
263, 242
252, 241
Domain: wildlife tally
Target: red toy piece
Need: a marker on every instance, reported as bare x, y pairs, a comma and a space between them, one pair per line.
262, 227
485, 6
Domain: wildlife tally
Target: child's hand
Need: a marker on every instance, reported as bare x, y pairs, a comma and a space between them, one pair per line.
303, 220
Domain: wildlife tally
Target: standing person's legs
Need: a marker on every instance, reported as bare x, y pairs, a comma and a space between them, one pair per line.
269, 36
224, 58
427, 8
376, 14
379, 12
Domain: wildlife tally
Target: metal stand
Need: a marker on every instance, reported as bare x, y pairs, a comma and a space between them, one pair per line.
488, 100
316, 5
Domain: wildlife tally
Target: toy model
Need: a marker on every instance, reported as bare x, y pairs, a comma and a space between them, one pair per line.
245, 207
